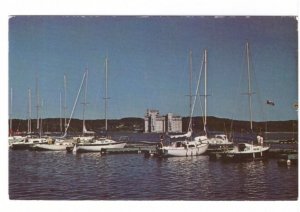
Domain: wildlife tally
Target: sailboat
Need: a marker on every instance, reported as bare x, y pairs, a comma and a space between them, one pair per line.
13, 138
188, 146
86, 135
98, 144
246, 151
28, 141
219, 141
57, 144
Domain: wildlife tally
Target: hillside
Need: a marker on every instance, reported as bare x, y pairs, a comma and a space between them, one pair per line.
222, 124
137, 125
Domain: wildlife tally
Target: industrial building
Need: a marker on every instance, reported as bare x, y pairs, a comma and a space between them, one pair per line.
154, 122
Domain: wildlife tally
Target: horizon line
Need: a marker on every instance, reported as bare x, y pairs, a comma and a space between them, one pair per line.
143, 118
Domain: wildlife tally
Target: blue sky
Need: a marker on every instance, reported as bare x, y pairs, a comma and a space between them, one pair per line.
149, 63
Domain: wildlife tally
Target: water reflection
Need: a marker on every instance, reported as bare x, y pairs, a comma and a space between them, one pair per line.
59, 175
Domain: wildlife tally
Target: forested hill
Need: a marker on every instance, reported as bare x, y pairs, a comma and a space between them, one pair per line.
137, 125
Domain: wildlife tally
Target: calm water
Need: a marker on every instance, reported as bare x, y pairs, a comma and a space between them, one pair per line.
90, 176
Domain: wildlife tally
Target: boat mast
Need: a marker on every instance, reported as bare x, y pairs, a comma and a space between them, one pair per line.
10, 116
205, 91
73, 109
60, 120
197, 92
65, 100
84, 103
29, 111
37, 104
41, 117
191, 78
105, 98
249, 86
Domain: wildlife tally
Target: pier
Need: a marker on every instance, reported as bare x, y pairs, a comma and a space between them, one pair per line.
137, 148
128, 150
132, 148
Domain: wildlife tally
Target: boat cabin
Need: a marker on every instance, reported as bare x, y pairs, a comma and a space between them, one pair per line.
222, 137
241, 147
178, 144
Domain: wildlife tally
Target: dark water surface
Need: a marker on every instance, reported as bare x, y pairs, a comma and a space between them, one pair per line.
90, 176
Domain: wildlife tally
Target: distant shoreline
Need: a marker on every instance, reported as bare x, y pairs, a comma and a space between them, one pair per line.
133, 124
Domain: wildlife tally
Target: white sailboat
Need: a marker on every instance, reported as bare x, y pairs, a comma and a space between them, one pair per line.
29, 142
246, 151
25, 142
58, 144
97, 145
52, 145
188, 146
11, 137
86, 135
219, 140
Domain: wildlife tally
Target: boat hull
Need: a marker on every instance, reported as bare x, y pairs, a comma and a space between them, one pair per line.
20, 146
49, 147
97, 147
27, 144
249, 156
219, 147
15, 139
182, 151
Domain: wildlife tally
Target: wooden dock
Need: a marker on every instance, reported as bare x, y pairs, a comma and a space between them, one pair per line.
129, 150
278, 153
136, 149
286, 141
